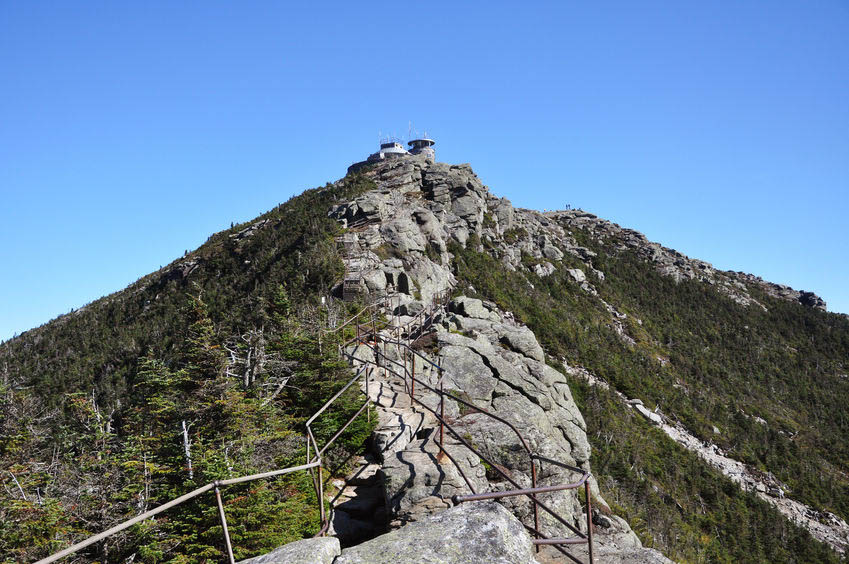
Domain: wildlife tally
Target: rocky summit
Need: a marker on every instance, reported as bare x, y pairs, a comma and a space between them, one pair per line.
398, 241
705, 408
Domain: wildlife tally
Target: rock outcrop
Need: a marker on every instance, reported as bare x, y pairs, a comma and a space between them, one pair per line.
670, 262
322, 550
407, 226
404, 228
468, 534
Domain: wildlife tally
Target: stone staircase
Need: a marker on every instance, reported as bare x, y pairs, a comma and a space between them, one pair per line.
404, 476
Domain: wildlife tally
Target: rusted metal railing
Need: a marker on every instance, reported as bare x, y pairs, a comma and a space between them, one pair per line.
312, 465
216, 485
367, 334
410, 380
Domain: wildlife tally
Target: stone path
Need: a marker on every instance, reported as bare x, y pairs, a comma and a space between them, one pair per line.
404, 477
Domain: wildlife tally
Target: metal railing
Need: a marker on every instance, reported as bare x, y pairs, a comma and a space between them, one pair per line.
368, 335
312, 465
216, 485
363, 332
410, 380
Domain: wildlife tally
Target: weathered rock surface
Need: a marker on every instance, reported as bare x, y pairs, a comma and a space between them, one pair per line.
499, 365
417, 212
433, 480
473, 533
620, 548
670, 262
321, 550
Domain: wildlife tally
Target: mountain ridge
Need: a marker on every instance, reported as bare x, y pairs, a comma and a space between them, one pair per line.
590, 300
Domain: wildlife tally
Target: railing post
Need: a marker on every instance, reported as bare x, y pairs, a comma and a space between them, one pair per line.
536, 507
589, 520
224, 525
321, 493
441, 412
413, 376
368, 397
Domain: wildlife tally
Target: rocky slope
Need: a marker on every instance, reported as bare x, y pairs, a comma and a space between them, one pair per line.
670, 262
421, 206
399, 240
824, 526
397, 243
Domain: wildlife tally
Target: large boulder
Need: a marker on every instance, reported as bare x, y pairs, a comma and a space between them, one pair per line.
531, 395
308, 551
468, 372
472, 307
472, 533
523, 341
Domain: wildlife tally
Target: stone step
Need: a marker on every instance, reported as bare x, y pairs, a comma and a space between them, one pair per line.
420, 481
396, 428
389, 394
365, 475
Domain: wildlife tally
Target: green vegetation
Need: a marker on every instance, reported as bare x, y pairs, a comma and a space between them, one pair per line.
218, 351
726, 365
675, 502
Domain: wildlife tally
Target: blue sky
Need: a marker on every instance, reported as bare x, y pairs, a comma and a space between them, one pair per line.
129, 132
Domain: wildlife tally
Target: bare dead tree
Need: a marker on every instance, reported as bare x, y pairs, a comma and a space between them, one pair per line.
144, 495
17, 483
247, 356
187, 447
279, 374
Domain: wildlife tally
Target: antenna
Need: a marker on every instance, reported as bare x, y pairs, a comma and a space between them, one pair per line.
409, 130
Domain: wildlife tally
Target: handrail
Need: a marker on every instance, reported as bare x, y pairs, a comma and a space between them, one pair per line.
530, 493
482, 457
423, 319
452, 396
335, 397
165, 506
356, 315
311, 464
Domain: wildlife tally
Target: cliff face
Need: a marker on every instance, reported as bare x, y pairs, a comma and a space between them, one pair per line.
422, 206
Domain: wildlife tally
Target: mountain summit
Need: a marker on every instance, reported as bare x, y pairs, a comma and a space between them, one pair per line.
708, 406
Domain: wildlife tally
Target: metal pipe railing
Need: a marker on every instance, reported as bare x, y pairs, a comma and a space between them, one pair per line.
443, 394
314, 462
164, 507
531, 492
494, 466
522, 491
